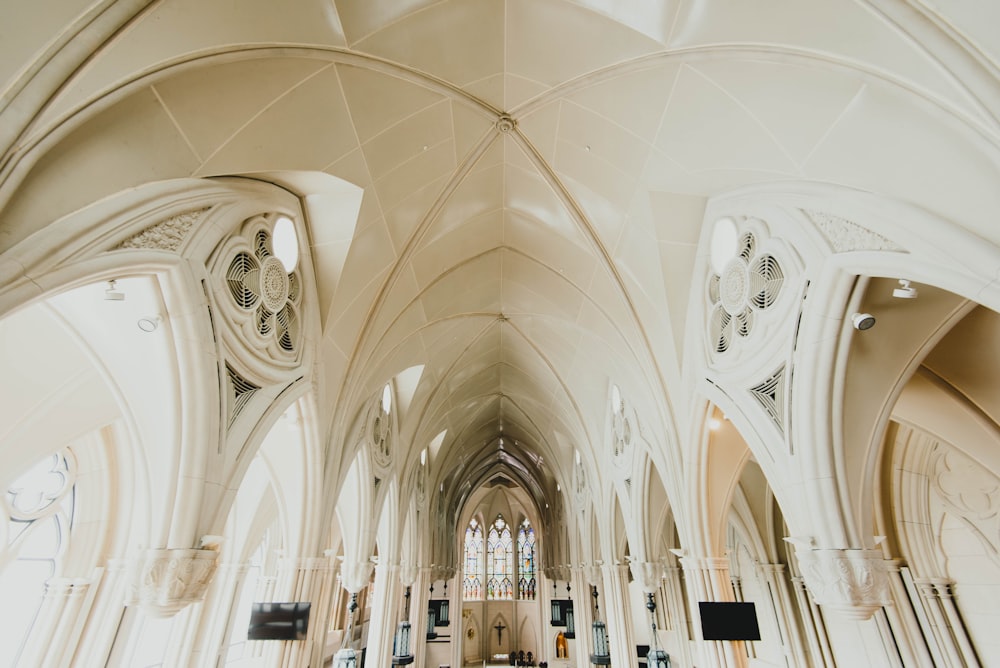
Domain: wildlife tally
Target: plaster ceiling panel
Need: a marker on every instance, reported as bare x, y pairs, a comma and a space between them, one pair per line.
479, 193
976, 21
454, 40
475, 288
27, 28
677, 217
307, 128
489, 90
135, 142
552, 41
405, 218
706, 128
968, 359
662, 172
413, 174
362, 17
604, 312
400, 307
636, 256
407, 139
602, 139
352, 168
562, 340
478, 236
570, 261
349, 312
653, 19
798, 104
851, 33
174, 30
518, 90
211, 104
914, 156
470, 126
634, 101
541, 128
379, 101
532, 197
600, 190
531, 288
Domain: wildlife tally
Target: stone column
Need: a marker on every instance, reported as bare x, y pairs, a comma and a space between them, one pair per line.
903, 620
815, 628
707, 579
105, 612
946, 625
583, 614
54, 635
676, 614
305, 579
777, 584
385, 614
617, 615
216, 619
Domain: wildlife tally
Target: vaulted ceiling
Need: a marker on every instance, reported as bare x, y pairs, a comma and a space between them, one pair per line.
535, 174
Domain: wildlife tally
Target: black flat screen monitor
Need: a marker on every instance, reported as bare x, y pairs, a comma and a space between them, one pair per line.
278, 621
728, 621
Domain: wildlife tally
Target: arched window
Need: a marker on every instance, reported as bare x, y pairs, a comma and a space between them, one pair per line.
499, 562
472, 585
40, 507
526, 560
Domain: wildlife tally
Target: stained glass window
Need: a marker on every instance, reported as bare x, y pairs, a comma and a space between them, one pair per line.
499, 562
526, 560
472, 585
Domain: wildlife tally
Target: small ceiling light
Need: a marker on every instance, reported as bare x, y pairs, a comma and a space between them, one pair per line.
714, 424
863, 321
905, 290
149, 323
113, 295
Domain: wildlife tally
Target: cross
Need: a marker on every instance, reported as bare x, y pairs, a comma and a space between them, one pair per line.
499, 627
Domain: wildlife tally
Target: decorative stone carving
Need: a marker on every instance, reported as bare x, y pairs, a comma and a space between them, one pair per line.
167, 235
853, 583
505, 124
845, 236
770, 394
164, 581
648, 574
355, 575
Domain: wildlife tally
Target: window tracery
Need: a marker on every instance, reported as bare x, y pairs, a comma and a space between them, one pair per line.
472, 585
499, 558
527, 581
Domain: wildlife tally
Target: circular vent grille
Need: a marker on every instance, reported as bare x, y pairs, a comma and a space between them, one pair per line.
259, 285
747, 284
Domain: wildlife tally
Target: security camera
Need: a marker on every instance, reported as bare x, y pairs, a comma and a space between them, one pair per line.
905, 290
863, 321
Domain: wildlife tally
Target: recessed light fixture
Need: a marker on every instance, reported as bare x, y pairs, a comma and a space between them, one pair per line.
905, 290
863, 321
112, 294
714, 424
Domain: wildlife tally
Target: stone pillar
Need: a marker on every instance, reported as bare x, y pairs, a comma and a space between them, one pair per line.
676, 614
904, 622
707, 579
617, 614
305, 579
815, 627
777, 584
216, 619
946, 625
385, 614
105, 612
583, 614
54, 635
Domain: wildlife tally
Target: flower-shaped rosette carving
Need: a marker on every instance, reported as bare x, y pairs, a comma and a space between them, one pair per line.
380, 435
259, 284
747, 284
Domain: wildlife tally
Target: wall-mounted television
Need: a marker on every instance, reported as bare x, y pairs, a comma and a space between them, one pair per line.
278, 621
727, 620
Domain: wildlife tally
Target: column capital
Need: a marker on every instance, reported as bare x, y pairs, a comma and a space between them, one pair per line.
853, 583
649, 574
164, 581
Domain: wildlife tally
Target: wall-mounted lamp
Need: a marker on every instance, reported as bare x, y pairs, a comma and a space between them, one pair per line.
905, 290
863, 321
